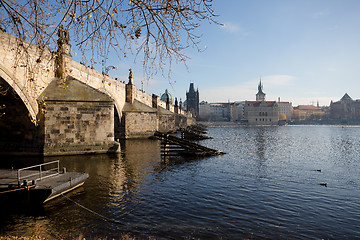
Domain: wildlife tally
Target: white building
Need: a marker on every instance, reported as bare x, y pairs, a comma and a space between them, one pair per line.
204, 111
237, 111
214, 111
285, 109
219, 111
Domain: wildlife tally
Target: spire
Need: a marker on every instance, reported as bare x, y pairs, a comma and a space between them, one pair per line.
260, 87
260, 96
191, 88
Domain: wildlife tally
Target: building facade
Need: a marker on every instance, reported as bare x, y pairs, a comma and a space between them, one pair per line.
346, 109
261, 112
215, 111
237, 111
307, 113
204, 111
285, 110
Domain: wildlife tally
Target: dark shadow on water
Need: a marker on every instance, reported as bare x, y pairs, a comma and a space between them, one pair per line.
12, 212
16, 162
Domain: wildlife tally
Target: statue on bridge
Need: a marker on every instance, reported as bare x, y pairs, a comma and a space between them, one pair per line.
130, 76
63, 40
63, 36
63, 58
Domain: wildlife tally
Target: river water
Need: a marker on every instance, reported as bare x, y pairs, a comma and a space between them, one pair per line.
270, 184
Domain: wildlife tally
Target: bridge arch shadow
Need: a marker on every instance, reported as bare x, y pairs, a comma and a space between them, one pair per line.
12, 81
18, 134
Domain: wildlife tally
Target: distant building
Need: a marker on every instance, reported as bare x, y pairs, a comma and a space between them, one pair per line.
167, 97
346, 109
285, 110
261, 112
219, 112
192, 101
204, 111
237, 111
214, 111
307, 113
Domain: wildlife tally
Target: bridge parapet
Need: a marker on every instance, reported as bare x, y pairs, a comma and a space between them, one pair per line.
144, 98
101, 82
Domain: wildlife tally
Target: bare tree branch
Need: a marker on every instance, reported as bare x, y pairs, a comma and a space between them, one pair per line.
159, 31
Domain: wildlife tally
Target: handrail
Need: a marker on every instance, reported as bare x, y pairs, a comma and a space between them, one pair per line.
42, 173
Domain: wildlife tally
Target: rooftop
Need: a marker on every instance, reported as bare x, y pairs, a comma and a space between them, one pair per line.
307, 107
257, 103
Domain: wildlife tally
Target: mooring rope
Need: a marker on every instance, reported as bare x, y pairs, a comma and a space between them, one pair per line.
97, 214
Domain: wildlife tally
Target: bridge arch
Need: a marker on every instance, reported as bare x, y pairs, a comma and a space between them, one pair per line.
11, 80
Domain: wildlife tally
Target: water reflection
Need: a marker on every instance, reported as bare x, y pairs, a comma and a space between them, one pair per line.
260, 144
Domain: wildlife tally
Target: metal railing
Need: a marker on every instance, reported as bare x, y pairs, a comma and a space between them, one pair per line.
39, 171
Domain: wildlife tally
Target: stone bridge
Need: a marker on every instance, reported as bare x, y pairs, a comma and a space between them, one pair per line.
52, 105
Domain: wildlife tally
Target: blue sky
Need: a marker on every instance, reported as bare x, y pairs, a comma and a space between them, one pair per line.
304, 51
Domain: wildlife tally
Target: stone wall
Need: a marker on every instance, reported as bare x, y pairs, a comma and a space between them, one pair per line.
143, 97
139, 124
190, 121
78, 127
167, 123
173, 122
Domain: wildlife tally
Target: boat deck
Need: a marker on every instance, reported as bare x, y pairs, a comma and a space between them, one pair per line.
37, 186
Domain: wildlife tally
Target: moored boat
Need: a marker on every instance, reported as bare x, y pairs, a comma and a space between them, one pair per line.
38, 183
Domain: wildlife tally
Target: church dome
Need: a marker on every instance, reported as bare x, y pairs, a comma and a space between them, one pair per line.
165, 96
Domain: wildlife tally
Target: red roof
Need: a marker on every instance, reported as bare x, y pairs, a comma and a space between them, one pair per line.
307, 107
257, 103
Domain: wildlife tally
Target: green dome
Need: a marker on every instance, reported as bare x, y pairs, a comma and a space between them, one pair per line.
165, 96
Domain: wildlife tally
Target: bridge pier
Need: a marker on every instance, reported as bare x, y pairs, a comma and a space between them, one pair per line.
77, 119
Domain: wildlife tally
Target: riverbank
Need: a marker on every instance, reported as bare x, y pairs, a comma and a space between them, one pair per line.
329, 123
41, 237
